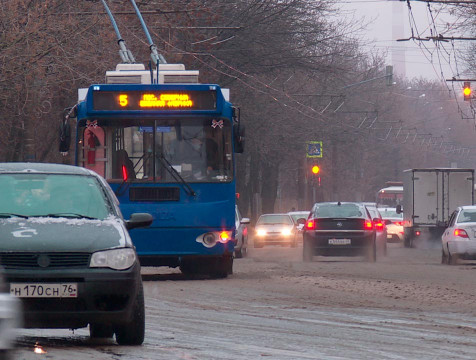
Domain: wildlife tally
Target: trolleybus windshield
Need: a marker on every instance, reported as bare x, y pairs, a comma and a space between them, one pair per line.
200, 150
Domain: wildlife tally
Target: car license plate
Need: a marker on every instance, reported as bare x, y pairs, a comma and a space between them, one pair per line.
339, 241
42, 290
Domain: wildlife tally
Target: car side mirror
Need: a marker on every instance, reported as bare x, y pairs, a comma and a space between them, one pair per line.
139, 220
399, 209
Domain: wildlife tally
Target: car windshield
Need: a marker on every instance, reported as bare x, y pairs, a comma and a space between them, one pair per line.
32, 194
274, 219
338, 211
467, 215
390, 213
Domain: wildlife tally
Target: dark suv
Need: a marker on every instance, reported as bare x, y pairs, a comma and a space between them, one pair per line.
339, 229
66, 251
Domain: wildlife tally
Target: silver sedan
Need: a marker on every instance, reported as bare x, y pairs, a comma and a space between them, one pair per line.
459, 238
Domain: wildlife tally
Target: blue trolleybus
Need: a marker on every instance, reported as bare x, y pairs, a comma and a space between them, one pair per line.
167, 150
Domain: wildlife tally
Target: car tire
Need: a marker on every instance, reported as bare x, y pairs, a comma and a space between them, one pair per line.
444, 257
371, 255
452, 259
307, 250
293, 243
385, 248
97, 331
133, 331
238, 254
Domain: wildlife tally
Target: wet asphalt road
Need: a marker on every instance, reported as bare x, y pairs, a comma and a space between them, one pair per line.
405, 306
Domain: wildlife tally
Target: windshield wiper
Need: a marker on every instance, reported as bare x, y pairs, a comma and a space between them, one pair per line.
9, 215
69, 215
176, 175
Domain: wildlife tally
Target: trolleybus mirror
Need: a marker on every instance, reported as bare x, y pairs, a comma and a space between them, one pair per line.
239, 136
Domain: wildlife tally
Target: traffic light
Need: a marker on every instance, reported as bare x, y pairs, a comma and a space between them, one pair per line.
467, 91
315, 169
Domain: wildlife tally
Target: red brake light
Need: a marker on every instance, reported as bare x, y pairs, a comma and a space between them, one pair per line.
124, 173
245, 231
399, 223
418, 233
311, 224
461, 233
368, 225
379, 226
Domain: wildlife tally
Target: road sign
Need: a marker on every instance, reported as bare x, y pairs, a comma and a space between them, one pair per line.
314, 149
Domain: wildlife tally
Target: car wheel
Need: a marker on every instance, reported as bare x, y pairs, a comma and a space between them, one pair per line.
452, 259
293, 243
307, 250
444, 257
100, 331
371, 255
244, 251
238, 254
385, 248
133, 331
6, 354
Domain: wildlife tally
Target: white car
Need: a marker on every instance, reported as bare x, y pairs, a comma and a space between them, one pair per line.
241, 234
394, 222
459, 239
296, 215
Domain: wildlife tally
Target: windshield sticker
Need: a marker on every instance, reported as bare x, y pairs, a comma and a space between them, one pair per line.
217, 123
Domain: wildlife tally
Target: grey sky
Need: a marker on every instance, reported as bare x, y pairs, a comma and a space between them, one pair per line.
388, 17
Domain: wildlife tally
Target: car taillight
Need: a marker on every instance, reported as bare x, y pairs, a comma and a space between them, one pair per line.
124, 173
399, 223
379, 226
245, 231
461, 233
311, 224
368, 225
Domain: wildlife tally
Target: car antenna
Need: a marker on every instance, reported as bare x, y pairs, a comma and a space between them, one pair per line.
154, 55
124, 52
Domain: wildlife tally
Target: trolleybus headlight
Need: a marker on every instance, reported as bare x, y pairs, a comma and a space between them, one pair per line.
209, 239
117, 259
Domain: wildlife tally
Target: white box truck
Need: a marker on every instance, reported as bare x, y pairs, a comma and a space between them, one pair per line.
429, 198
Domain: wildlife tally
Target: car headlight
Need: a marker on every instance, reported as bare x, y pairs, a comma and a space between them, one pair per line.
261, 232
286, 232
117, 259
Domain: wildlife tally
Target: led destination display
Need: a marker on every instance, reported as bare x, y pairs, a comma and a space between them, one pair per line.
154, 100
